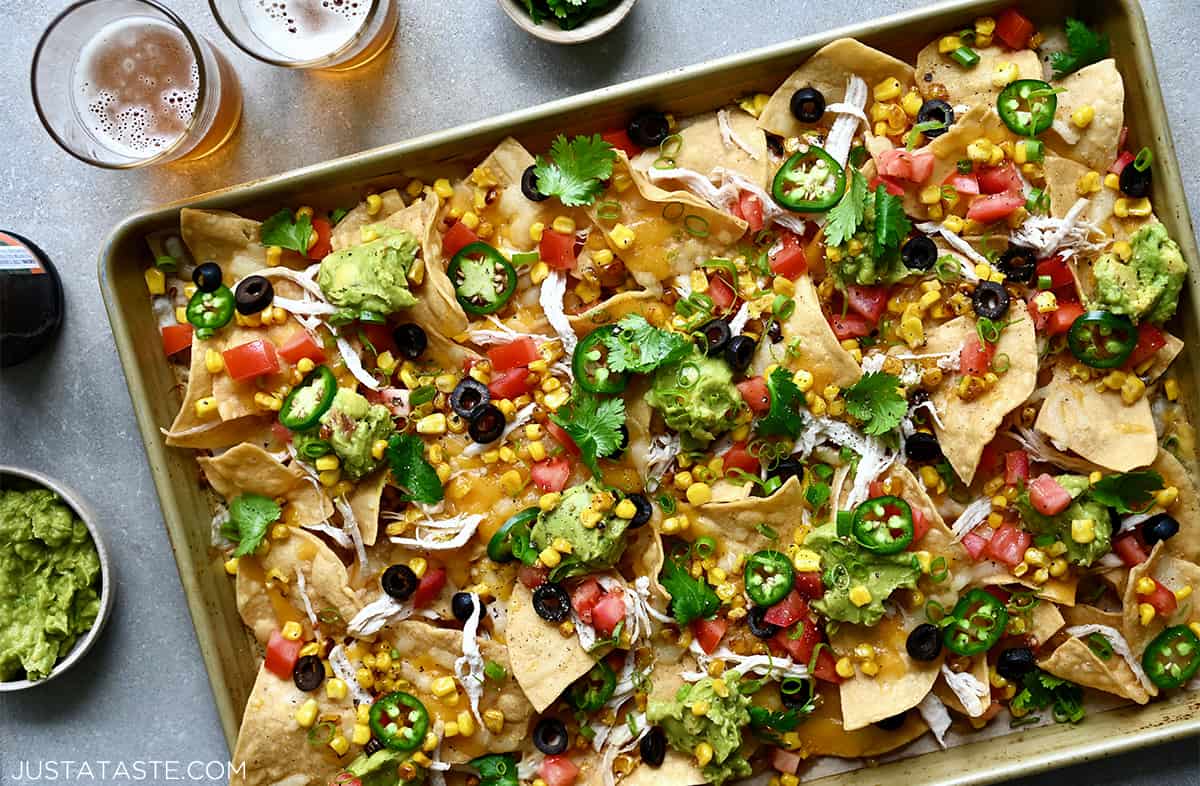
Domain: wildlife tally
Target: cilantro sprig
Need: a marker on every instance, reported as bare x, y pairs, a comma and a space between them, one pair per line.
496, 769
1084, 47
891, 224
594, 425
417, 479
250, 515
849, 213
875, 399
576, 170
784, 418
286, 231
1127, 492
638, 347
1042, 690
691, 598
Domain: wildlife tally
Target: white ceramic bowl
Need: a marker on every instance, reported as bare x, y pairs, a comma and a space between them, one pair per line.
549, 31
107, 585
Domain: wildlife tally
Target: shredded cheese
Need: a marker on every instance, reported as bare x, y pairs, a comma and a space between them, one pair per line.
350, 525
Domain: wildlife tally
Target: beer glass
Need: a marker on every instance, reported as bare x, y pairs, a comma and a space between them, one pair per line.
124, 84
335, 35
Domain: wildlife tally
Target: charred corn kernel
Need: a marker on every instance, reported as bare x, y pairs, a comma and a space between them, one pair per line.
948, 44
1083, 116
1183, 593
911, 103
1140, 207
443, 687
626, 509
1145, 613
834, 254
953, 224
267, 401
703, 751
980, 150
622, 236
1083, 530
844, 667
326, 462
888, 89
292, 630
563, 224
860, 595
591, 518
306, 716
1112, 181
1036, 557
1088, 183
1058, 568
1166, 497
911, 331
549, 500
231, 566
699, 493
205, 406
1005, 74
562, 546
442, 188
1045, 302
418, 565
466, 723
1146, 585
1133, 389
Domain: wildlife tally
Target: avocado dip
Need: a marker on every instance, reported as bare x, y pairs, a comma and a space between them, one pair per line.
49, 582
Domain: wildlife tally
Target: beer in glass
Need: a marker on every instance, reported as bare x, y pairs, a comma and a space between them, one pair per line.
330, 34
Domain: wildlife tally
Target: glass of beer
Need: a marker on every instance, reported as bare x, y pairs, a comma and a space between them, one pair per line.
335, 35
124, 84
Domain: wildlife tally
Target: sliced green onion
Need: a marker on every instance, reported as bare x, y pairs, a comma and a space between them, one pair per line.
783, 306
696, 225
662, 162
704, 547
723, 264
671, 146
1001, 362
672, 211
1145, 158
770, 486
938, 572
667, 503
166, 263
337, 214
965, 56
965, 166
914, 136
1044, 282
1038, 201
859, 156
934, 612
314, 450
947, 269
1035, 151
608, 210
766, 531
329, 617
525, 258
321, 734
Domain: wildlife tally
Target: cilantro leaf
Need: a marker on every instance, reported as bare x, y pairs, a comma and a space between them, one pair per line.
876, 400
594, 425
691, 598
784, 417
284, 231
1127, 492
576, 169
639, 347
411, 472
249, 517
891, 225
1041, 690
1084, 47
847, 215
497, 769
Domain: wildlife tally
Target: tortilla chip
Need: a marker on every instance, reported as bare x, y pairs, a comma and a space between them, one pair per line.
1099, 86
1173, 573
735, 525
968, 426
614, 309
189, 430
428, 652
1046, 620
1074, 660
1090, 615
348, 231
970, 86
822, 734
1062, 174
938, 540
511, 208
818, 350
248, 469
544, 661
266, 603
272, 747
828, 70
900, 686
227, 239
235, 399
1164, 357
364, 501
1186, 510
704, 147
1072, 410
1060, 591
664, 247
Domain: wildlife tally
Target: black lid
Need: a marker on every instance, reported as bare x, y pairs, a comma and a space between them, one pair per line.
31, 299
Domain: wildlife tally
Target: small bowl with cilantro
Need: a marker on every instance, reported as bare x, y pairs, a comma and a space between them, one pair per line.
567, 21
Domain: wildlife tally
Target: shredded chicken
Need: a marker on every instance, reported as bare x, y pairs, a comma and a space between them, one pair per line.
776, 668
851, 112
1041, 449
1065, 236
469, 668
354, 364
659, 457
730, 137
302, 588
972, 517
372, 617
350, 525
958, 244
344, 670
970, 691
936, 716
551, 300
431, 534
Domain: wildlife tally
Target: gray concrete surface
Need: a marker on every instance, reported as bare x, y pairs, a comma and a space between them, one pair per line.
143, 696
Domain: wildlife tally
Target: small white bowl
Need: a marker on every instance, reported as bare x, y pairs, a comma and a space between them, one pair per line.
550, 31
107, 585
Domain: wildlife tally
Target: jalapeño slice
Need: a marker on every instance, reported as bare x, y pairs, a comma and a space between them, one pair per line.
977, 622
769, 577
883, 525
308, 401
1027, 106
590, 691
483, 279
207, 311
511, 541
1173, 657
399, 720
1102, 339
588, 363
811, 181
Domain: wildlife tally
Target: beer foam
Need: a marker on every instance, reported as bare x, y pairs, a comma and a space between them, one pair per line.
305, 29
135, 86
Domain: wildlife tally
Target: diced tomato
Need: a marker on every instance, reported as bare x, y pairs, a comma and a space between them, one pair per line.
1016, 467
281, 433
1047, 496
1150, 340
790, 261
1130, 549
610, 610
282, 655
1162, 599
1008, 544
1013, 28
324, 244
1058, 270
380, 337
975, 358
584, 597
808, 584
558, 771
512, 383
176, 338
749, 208
302, 345
849, 325
788, 611
876, 488
252, 359
551, 474
533, 577
991, 459
563, 438
785, 761
621, 141
755, 394
430, 586
826, 668
722, 294
1000, 180
893, 188
557, 249
994, 207
708, 633
1059, 320
1123, 138
869, 302
920, 527
1123, 160
905, 165
998, 592
964, 184
457, 238
974, 544
515, 354
738, 457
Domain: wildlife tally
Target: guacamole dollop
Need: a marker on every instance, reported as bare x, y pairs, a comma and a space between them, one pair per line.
49, 582
1147, 286
720, 725
372, 276
381, 768
696, 397
355, 425
1082, 507
867, 267
845, 566
592, 548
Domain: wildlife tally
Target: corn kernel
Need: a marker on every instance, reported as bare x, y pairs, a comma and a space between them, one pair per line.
432, 424
563, 224
1194, 627
844, 667
1145, 613
205, 406
1083, 530
1036, 557
292, 630
1088, 183
911, 331
700, 709
622, 236
340, 745
327, 462
1058, 568
418, 565
703, 753
953, 224
442, 188
699, 493
1045, 302
1167, 497
911, 103
948, 44
1183, 593
1004, 74
1146, 585
306, 716
267, 401
1140, 207
888, 89
512, 482
860, 595
466, 723
1083, 116
1132, 390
